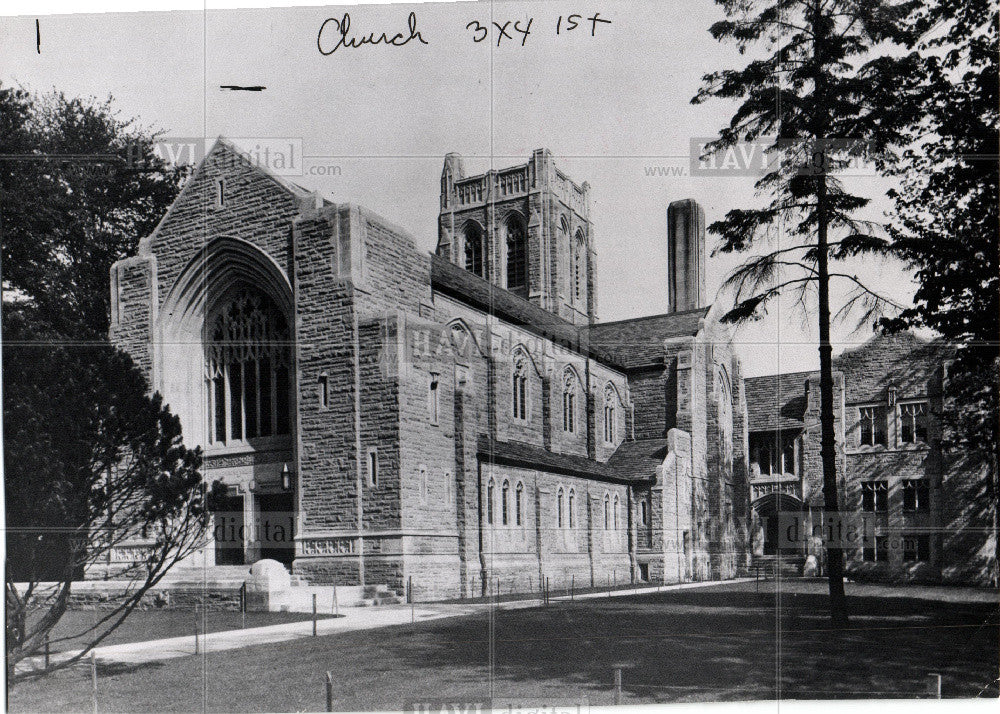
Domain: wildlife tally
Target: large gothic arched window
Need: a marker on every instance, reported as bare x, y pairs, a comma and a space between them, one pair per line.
248, 362
474, 261
517, 255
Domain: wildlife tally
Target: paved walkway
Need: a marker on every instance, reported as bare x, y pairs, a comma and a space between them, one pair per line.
357, 618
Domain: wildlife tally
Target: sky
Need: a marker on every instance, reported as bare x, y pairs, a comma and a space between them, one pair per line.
375, 121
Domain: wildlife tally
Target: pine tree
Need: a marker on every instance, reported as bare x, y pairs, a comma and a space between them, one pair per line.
819, 95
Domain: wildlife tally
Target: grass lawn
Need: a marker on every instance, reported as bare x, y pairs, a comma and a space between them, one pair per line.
720, 643
157, 624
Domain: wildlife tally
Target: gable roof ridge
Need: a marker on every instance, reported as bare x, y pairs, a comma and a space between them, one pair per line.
145, 243
683, 313
878, 337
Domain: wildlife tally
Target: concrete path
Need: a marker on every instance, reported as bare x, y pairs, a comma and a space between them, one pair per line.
360, 618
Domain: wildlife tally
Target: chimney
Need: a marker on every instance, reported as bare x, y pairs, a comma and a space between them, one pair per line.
686, 255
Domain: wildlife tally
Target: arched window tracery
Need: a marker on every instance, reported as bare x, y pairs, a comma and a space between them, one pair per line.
248, 363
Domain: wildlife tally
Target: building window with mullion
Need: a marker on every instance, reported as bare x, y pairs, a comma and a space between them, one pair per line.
874, 496
916, 496
872, 426
913, 423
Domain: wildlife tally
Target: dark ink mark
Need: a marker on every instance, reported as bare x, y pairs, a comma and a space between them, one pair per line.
38, 37
342, 27
238, 88
594, 20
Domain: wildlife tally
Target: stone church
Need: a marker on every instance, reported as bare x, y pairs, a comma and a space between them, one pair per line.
461, 420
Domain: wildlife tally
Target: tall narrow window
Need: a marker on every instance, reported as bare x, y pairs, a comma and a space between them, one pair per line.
220, 193
247, 361
505, 502
579, 267
517, 256
764, 460
519, 503
570, 507
520, 385
474, 261
489, 502
373, 467
872, 426
433, 399
617, 503
644, 513
607, 508
423, 483
609, 414
569, 401
324, 391
559, 508
788, 456
913, 423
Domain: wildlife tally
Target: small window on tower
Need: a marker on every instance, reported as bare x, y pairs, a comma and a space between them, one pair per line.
372, 467
433, 399
324, 392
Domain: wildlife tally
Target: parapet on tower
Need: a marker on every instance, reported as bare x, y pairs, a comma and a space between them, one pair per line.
525, 228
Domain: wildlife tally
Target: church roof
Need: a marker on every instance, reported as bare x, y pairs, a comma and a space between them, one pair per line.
625, 344
473, 290
638, 459
637, 343
776, 401
517, 453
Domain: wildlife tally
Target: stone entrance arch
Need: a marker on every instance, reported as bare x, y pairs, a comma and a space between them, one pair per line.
766, 513
224, 348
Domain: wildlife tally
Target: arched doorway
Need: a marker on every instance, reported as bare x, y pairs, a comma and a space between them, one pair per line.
773, 515
226, 366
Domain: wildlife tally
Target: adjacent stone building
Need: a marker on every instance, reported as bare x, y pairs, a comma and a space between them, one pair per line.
917, 512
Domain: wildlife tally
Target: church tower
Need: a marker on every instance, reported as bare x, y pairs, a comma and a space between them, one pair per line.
686, 255
525, 228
